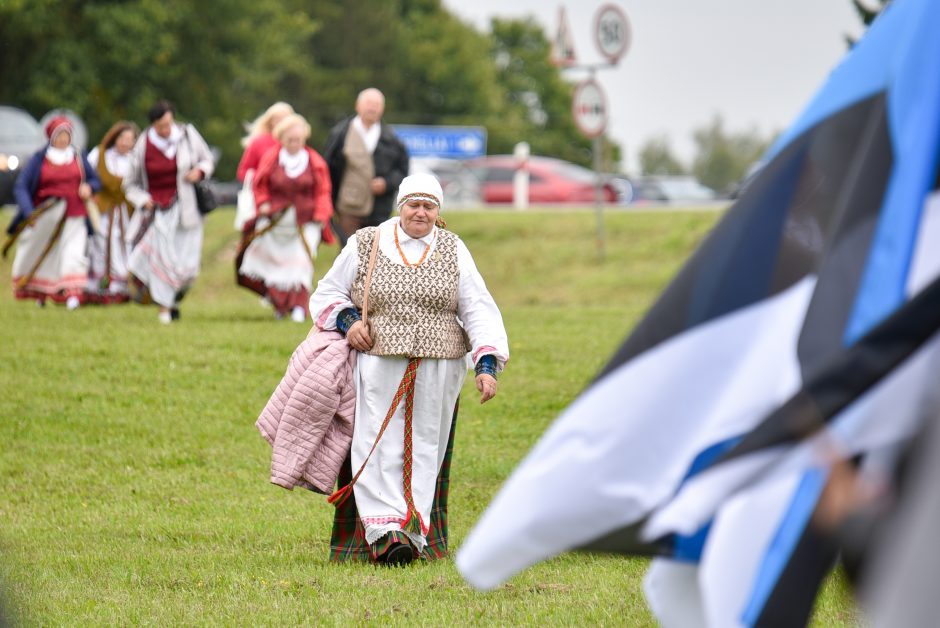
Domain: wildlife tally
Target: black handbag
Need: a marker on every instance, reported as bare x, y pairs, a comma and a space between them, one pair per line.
205, 197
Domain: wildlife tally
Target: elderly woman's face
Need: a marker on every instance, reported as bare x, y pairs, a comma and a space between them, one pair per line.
62, 139
125, 141
293, 139
164, 126
418, 216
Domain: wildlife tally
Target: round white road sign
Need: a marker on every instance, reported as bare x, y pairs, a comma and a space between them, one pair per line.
612, 32
589, 107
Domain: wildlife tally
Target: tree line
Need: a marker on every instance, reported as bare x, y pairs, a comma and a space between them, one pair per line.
222, 62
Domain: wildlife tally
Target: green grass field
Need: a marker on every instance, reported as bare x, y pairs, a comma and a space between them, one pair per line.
134, 487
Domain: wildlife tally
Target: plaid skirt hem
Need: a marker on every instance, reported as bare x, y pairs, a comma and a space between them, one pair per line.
348, 540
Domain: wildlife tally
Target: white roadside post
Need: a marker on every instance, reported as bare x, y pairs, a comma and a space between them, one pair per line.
520, 180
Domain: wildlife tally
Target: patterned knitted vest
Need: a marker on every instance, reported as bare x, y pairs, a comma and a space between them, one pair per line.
413, 311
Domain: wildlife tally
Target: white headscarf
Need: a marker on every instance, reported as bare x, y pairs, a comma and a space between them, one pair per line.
423, 187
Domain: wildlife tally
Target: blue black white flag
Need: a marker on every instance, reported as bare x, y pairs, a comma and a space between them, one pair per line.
804, 324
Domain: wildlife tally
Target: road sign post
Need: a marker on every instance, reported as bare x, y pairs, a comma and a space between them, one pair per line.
589, 107
612, 35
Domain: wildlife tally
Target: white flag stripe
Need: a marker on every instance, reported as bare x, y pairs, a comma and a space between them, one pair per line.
604, 463
925, 266
889, 412
737, 542
673, 594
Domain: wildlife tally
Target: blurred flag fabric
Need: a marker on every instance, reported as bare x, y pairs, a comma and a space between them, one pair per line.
803, 327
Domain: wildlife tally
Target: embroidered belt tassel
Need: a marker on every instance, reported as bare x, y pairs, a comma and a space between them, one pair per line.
413, 522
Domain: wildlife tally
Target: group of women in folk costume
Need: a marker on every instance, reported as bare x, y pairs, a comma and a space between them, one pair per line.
293, 206
123, 223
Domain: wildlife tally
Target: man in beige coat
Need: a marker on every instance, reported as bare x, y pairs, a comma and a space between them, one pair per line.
367, 164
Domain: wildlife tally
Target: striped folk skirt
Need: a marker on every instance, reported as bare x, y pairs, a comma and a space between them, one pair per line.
278, 264
348, 540
108, 253
51, 260
166, 258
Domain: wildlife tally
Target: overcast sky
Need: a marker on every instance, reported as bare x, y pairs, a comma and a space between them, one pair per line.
756, 62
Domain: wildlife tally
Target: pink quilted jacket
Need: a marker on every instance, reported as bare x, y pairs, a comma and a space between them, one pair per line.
309, 418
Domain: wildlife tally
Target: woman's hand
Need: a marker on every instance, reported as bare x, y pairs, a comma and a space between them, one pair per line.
84, 191
486, 384
264, 209
358, 336
194, 175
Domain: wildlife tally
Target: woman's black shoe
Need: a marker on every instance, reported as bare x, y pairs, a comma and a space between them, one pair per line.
175, 313
398, 555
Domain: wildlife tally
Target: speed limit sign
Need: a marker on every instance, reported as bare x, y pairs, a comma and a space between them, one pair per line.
611, 32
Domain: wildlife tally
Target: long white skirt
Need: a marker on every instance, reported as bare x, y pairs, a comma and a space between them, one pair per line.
64, 271
379, 491
167, 258
279, 258
116, 274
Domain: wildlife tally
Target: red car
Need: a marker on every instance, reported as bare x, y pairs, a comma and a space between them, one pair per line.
550, 180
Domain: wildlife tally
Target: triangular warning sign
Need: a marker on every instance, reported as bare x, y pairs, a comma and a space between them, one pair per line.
563, 45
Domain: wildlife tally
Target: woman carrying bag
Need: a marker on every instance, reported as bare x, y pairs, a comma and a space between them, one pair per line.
168, 160
428, 311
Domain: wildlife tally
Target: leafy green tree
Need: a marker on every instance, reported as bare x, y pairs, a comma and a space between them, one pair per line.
722, 158
108, 60
222, 62
656, 158
538, 99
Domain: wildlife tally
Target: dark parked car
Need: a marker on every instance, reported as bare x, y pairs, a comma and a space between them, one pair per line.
550, 180
675, 189
20, 137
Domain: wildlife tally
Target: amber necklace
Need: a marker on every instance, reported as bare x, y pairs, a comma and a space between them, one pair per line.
402, 253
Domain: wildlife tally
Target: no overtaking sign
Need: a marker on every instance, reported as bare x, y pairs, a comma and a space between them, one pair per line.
589, 107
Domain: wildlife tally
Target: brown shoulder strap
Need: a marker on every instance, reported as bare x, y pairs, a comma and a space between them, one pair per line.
365, 295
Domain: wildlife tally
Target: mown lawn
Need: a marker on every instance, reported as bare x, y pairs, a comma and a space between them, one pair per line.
134, 486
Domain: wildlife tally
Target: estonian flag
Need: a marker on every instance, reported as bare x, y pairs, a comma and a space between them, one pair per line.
810, 311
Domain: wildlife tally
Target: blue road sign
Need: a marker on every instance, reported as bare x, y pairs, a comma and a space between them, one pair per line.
454, 142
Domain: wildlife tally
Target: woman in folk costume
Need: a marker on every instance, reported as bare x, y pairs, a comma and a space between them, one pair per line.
428, 308
51, 225
257, 143
168, 159
109, 250
278, 247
